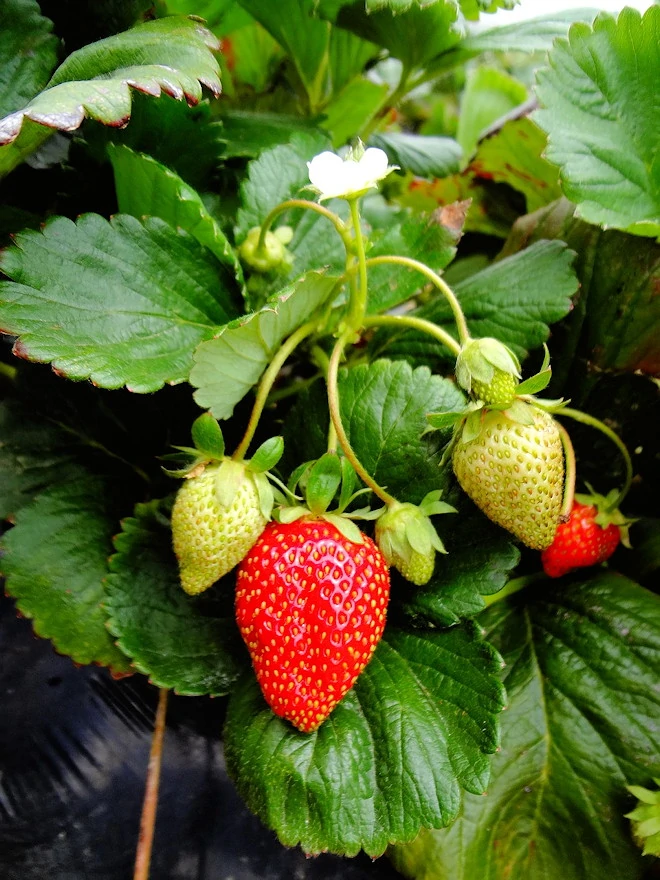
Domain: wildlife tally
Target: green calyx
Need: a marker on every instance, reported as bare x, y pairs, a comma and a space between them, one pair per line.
271, 255
489, 370
607, 515
645, 818
328, 479
408, 539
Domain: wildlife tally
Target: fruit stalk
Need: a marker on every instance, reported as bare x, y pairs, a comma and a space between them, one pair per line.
358, 304
335, 416
435, 279
150, 804
570, 470
578, 416
267, 381
336, 221
413, 323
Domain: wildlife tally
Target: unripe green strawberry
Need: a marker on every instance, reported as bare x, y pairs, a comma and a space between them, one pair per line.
515, 473
500, 391
209, 537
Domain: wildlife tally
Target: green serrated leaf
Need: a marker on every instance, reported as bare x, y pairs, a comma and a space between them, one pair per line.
227, 366
207, 436
369, 777
119, 302
424, 155
267, 455
430, 239
145, 187
55, 561
171, 55
582, 665
513, 300
598, 93
323, 482
489, 94
28, 53
188, 644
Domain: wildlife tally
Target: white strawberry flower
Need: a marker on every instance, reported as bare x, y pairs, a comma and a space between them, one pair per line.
334, 177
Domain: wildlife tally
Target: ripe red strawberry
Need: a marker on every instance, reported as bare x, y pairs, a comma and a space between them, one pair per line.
311, 607
580, 542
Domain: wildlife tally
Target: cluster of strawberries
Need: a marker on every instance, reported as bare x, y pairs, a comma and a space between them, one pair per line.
312, 589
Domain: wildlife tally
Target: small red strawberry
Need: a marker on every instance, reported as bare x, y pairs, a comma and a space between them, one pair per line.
311, 607
580, 542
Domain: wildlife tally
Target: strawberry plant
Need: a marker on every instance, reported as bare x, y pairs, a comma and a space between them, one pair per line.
284, 287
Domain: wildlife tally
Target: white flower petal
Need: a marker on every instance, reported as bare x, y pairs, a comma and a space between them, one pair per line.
324, 170
334, 177
373, 164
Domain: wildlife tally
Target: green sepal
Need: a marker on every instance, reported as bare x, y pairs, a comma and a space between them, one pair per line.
207, 437
365, 513
479, 358
535, 383
472, 426
266, 495
606, 514
432, 506
347, 528
418, 537
267, 455
348, 483
444, 419
299, 476
645, 819
228, 481
323, 482
549, 405
290, 514
520, 412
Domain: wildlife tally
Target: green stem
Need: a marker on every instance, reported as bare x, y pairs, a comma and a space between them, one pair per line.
336, 221
8, 371
585, 419
267, 381
358, 304
434, 278
571, 470
512, 587
335, 416
413, 323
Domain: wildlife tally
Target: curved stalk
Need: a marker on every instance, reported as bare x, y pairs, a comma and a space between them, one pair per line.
434, 278
571, 471
585, 419
335, 416
267, 381
150, 804
336, 221
413, 323
512, 587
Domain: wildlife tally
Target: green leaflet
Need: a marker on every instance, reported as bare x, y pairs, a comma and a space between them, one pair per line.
189, 644
120, 303
169, 55
599, 97
583, 662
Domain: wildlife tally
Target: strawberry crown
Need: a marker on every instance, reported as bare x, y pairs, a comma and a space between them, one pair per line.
607, 514
320, 482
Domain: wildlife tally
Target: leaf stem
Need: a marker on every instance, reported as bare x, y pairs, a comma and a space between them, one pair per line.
434, 278
335, 416
585, 419
267, 381
358, 302
390, 100
336, 221
413, 323
571, 470
150, 804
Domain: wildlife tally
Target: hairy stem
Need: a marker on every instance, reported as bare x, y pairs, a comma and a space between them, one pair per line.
585, 419
421, 324
571, 470
335, 416
267, 381
434, 278
336, 221
150, 804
